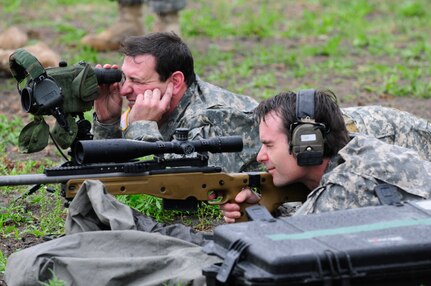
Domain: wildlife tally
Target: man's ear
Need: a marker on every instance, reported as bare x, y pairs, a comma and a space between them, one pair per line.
178, 82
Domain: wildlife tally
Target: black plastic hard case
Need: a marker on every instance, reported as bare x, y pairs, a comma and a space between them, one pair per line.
382, 245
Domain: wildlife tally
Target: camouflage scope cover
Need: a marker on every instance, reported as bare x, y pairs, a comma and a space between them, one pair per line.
63, 92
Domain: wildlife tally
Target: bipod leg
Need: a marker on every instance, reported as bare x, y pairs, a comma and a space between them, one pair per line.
33, 189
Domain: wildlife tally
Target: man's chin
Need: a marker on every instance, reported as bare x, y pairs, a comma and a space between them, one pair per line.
278, 185
276, 182
279, 182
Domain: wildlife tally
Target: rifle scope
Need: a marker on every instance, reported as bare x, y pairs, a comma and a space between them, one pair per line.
123, 150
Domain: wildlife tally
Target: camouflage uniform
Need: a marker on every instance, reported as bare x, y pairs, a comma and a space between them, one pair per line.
365, 162
157, 6
391, 126
207, 111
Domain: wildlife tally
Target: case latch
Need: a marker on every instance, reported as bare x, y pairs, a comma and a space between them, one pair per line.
232, 256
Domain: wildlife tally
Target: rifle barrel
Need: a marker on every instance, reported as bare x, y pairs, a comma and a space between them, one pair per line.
29, 179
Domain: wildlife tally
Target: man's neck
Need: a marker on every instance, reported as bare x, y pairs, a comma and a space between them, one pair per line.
315, 174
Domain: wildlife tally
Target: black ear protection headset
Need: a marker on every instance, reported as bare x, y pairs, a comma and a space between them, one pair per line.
307, 135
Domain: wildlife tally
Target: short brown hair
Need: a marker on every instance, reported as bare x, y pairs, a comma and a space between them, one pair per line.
171, 54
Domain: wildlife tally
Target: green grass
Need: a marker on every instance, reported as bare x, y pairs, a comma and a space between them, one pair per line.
254, 47
9, 129
3, 260
153, 207
53, 282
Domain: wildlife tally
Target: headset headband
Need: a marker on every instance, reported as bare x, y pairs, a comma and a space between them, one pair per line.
307, 140
305, 104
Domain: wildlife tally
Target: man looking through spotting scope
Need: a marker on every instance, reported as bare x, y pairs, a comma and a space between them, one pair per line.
164, 94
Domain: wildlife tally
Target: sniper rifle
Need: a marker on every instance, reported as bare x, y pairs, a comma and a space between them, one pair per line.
181, 181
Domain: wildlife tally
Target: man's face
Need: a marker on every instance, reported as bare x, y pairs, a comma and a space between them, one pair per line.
140, 75
274, 153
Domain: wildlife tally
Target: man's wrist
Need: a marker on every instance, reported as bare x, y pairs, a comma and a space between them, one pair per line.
105, 122
106, 130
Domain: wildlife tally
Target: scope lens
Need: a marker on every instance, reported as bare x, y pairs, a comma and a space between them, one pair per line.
78, 153
26, 99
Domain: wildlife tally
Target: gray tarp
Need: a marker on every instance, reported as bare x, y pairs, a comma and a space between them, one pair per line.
87, 255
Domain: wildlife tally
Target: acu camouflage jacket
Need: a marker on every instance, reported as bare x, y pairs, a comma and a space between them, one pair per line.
365, 162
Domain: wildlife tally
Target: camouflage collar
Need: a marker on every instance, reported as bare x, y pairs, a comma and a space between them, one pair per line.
333, 163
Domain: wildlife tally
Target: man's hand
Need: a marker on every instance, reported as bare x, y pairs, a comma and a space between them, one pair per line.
109, 103
151, 105
231, 211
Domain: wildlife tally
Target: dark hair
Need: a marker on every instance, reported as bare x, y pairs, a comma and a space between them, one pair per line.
326, 112
171, 54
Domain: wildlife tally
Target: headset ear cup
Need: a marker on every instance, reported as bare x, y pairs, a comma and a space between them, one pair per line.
308, 144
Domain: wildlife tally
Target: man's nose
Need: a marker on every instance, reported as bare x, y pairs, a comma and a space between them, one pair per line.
262, 155
125, 88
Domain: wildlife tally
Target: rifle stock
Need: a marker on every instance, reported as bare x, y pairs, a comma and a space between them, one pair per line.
199, 186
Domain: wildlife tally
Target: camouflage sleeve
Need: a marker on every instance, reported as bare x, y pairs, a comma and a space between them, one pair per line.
333, 197
106, 131
143, 130
392, 126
